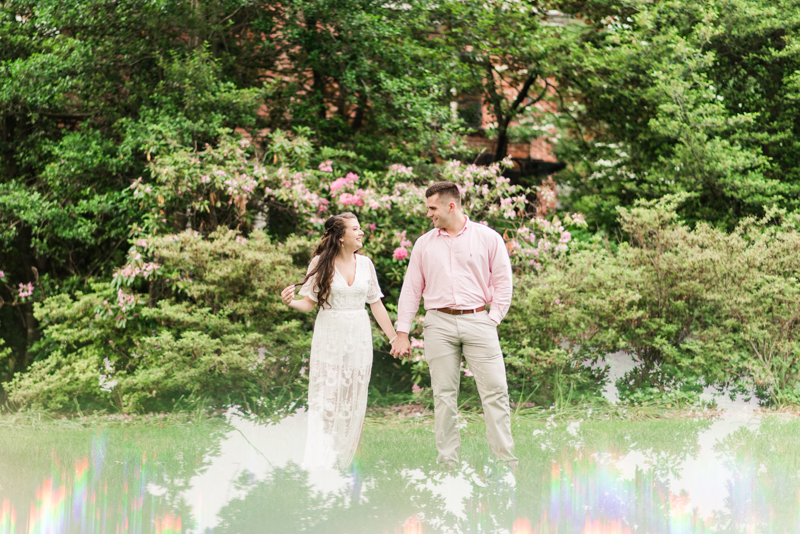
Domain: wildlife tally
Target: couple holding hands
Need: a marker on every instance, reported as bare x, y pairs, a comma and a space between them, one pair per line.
462, 271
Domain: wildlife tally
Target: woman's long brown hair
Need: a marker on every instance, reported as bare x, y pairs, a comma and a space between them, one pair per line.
328, 248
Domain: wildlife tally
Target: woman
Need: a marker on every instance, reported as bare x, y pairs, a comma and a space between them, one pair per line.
339, 281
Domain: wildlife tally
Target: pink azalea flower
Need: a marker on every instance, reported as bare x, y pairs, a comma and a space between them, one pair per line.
347, 199
416, 389
467, 372
326, 166
2, 274
25, 290
340, 183
372, 227
401, 169
417, 343
400, 253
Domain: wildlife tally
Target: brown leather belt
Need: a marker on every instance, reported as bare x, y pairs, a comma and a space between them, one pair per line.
451, 311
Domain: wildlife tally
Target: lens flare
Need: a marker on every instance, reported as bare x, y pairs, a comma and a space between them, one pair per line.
8, 518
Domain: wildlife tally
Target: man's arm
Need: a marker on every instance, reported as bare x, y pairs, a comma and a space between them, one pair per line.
408, 304
501, 277
410, 295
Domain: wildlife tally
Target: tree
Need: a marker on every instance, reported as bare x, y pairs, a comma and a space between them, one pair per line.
675, 96
507, 51
91, 91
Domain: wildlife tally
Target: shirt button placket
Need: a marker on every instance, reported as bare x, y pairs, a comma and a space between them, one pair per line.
453, 268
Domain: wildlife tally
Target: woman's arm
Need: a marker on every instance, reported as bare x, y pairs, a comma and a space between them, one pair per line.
305, 305
382, 316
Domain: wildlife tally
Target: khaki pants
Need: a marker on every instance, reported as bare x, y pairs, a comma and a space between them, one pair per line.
446, 337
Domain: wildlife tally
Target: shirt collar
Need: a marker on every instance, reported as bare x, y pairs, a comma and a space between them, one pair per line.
442, 231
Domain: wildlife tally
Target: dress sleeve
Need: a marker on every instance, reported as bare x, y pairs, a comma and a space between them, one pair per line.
310, 288
374, 294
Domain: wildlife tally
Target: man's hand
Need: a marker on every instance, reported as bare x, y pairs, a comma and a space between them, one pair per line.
401, 346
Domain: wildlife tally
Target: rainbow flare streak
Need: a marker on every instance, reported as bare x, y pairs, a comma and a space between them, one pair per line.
78, 500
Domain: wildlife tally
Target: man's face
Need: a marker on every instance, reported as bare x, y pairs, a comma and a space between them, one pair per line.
438, 211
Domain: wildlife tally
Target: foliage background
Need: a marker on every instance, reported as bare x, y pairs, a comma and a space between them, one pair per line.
165, 167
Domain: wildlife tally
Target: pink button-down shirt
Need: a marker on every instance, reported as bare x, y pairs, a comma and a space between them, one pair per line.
462, 272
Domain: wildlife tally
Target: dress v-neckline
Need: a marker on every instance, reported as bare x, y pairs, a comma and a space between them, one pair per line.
355, 273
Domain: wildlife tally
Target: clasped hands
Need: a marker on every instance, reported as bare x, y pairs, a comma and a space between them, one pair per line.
401, 347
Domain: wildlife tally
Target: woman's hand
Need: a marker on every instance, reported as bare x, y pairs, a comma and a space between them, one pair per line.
305, 305
287, 295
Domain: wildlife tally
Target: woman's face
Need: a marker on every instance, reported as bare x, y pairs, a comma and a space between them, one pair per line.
352, 234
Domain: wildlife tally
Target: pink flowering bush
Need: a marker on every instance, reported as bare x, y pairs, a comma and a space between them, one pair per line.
194, 309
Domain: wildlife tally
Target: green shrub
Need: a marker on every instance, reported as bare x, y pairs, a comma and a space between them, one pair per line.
211, 327
695, 306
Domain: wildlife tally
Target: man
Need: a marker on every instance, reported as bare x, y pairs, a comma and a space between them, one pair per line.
459, 268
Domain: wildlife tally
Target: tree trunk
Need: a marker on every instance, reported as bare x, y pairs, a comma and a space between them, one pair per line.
501, 150
318, 80
361, 111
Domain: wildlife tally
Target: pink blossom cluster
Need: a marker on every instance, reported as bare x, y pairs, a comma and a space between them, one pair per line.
133, 270
125, 300
141, 243
2, 274
401, 236
241, 240
341, 183
401, 170
416, 389
548, 195
543, 238
578, 218
357, 199
408, 197
326, 166
241, 185
314, 200
25, 290
508, 204
295, 191
400, 253
417, 343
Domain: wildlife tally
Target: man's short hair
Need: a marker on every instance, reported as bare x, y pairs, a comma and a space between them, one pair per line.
447, 190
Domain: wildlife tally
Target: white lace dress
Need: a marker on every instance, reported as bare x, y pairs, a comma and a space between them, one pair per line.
339, 371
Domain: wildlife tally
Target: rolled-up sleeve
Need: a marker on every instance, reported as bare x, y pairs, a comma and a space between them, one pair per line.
374, 294
410, 295
310, 288
502, 280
